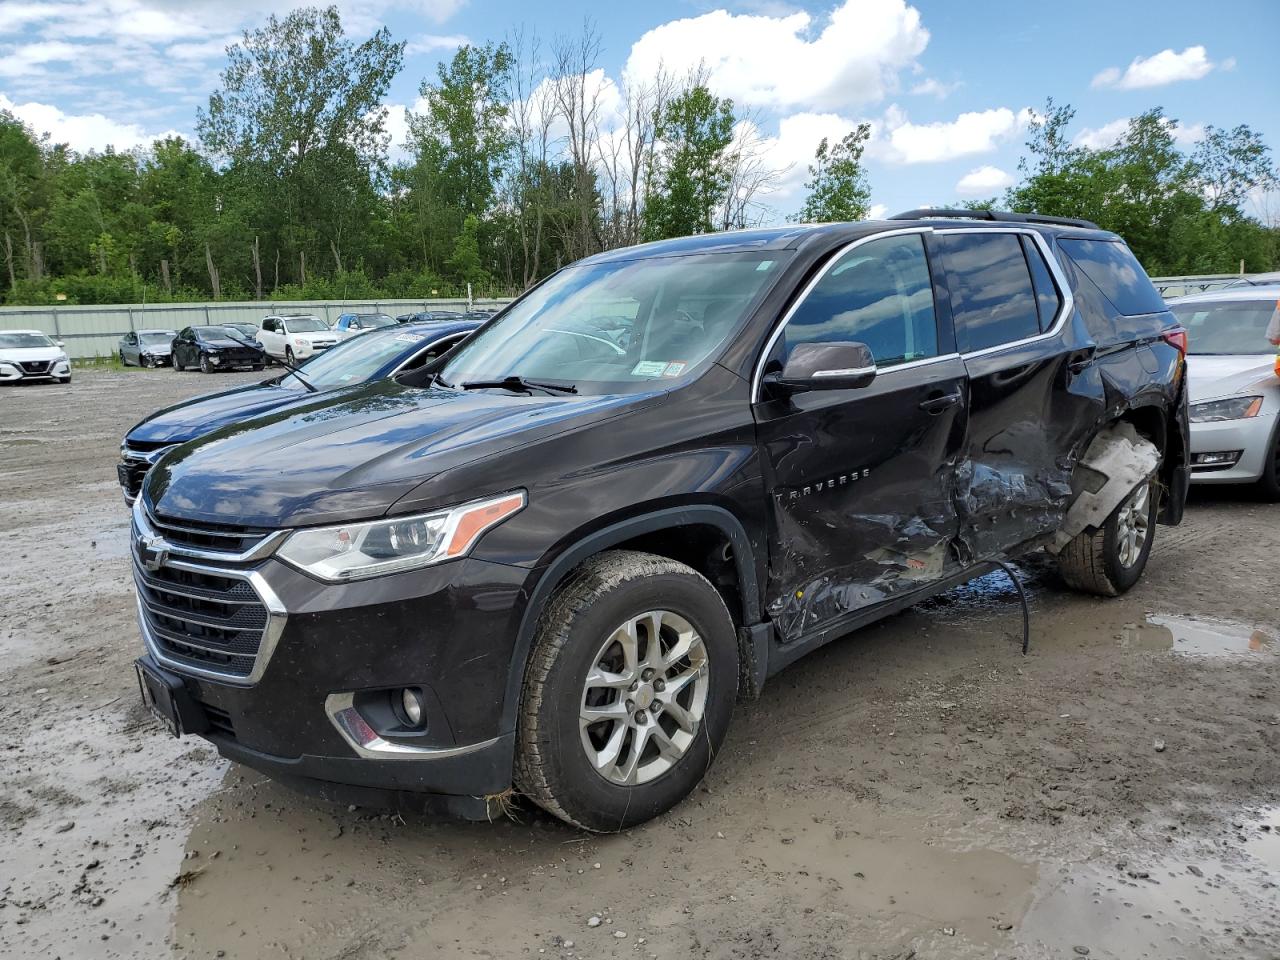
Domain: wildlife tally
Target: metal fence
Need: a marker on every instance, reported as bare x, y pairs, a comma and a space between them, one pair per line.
95, 331
1201, 283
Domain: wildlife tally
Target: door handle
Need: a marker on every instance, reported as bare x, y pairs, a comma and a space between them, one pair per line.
935, 405
1081, 359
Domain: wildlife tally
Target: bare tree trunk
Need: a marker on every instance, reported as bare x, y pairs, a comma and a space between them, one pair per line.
8, 259
133, 264
164, 276
37, 260
302, 267
276, 283
257, 271
578, 100
213, 273
337, 257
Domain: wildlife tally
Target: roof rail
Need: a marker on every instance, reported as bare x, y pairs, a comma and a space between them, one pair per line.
1002, 216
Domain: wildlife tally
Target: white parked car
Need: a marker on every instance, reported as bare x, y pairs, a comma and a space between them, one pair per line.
31, 355
295, 338
1234, 389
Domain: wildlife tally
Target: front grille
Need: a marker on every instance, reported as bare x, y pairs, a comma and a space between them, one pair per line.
222, 537
209, 619
35, 366
131, 473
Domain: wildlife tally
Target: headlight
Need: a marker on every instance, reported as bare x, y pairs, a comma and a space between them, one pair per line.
354, 551
1233, 408
299, 342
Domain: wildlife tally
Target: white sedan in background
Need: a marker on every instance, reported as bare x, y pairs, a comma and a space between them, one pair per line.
295, 338
29, 355
1234, 385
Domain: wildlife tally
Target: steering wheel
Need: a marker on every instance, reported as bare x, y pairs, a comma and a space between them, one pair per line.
588, 336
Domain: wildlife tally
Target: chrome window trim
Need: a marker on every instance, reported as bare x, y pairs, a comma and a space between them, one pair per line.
277, 616
845, 372
758, 373
1055, 269
430, 346
380, 749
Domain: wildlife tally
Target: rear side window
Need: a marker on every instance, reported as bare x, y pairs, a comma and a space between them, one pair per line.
878, 293
1048, 298
992, 299
1117, 273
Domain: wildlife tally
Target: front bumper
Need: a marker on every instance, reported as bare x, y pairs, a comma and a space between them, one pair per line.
1251, 437
448, 631
35, 372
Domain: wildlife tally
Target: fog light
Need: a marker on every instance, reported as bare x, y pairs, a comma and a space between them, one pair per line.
411, 704
214, 361
1223, 458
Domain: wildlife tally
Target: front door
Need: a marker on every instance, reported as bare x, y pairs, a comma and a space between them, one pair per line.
860, 480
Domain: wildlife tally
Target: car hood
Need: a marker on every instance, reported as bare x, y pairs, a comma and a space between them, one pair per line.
315, 337
352, 453
31, 353
1209, 378
226, 343
194, 418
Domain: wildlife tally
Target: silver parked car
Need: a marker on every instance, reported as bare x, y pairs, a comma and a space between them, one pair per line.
1234, 388
147, 348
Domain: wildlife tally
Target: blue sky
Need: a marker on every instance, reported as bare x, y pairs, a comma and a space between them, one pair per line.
946, 85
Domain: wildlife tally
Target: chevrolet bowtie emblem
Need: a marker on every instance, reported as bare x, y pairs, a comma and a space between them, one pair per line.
153, 552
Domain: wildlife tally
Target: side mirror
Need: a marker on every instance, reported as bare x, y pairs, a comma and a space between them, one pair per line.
825, 366
59, 343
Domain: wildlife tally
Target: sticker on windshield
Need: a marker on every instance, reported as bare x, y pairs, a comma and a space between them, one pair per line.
675, 368
410, 337
649, 368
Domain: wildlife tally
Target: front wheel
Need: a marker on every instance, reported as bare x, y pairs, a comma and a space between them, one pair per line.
288, 355
205, 365
628, 691
1110, 560
1269, 484
177, 363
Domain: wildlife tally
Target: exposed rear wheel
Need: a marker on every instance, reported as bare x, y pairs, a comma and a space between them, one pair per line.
1110, 560
628, 692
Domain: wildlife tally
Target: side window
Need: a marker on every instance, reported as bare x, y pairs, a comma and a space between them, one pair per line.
1048, 298
992, 300
878, 293
439, 348
1117, 273
269, 325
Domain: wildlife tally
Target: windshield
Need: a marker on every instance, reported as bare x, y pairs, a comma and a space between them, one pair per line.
17, 341
1227, 326
155, 339
376, 320
615, 326
218, 333
304, 325
357, 360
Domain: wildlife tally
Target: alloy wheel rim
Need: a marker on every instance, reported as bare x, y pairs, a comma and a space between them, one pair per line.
1131, 532
644, 698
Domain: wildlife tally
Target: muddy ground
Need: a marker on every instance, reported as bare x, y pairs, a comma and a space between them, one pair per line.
915, 790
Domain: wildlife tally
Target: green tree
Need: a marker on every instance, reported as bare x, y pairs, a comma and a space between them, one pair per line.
838, 187
690, 170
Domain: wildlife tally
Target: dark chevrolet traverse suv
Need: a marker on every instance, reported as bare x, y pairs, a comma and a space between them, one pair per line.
554, 558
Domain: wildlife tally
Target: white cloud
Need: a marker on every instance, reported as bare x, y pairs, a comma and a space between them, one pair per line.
931, 87
18, 61
1109, 134
983, 182
83, 132
1159, 69
877, 211
969, 133
433, 43
776, 61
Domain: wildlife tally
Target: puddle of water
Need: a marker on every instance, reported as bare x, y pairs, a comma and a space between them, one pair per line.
1197, 637
1219, 897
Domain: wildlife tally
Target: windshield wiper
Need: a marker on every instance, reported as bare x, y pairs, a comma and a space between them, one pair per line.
520, 383
284, 363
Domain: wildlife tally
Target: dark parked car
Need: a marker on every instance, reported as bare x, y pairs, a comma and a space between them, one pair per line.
376, 355
429, 315
554, 558
146, 348
215, 348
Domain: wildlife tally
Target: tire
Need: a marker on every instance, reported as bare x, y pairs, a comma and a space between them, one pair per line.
123, 361
259, 367
1096, 562
205, 365
177, 363
1269, 483
288, 355
65, 381
576, 633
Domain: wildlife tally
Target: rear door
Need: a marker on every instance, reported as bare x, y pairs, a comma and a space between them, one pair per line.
1010, 304
860, 480
129, 348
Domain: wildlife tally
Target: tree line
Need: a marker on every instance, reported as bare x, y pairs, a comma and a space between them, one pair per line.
520, 159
